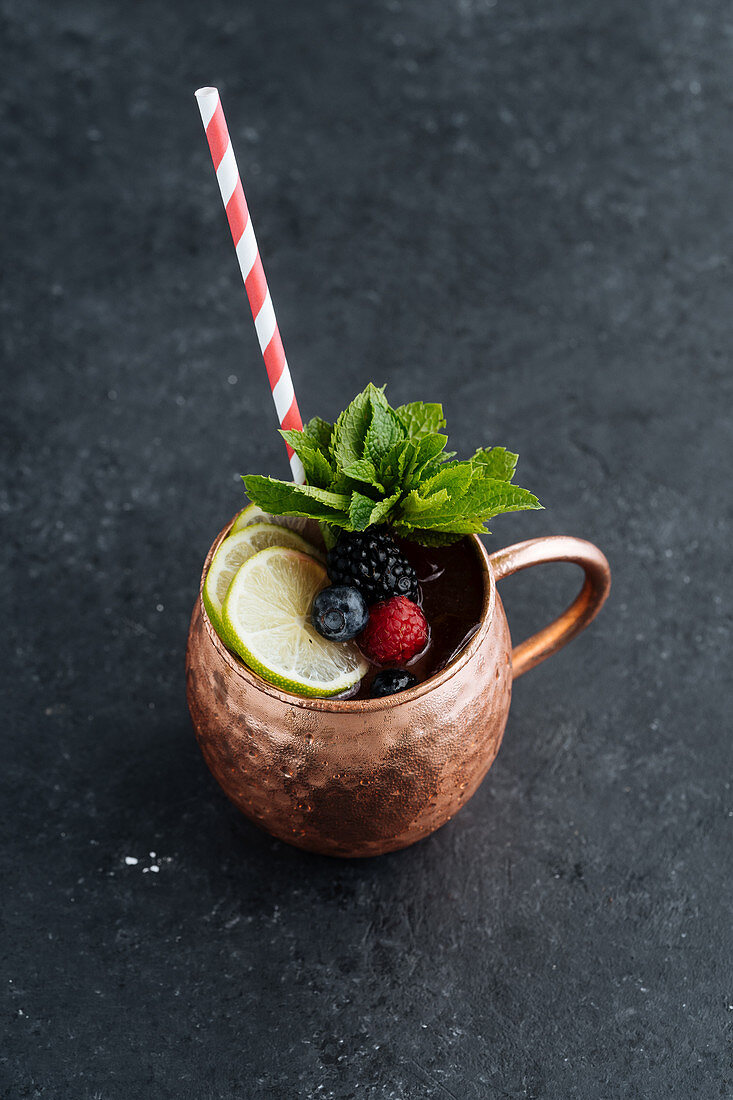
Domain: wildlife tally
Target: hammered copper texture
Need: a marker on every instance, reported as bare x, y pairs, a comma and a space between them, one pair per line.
352, 778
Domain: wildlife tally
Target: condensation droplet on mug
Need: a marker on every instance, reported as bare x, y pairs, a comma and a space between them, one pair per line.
309, 738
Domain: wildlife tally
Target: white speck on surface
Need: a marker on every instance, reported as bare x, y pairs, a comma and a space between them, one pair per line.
155, 867
131, 861
160, 607
232, 379
152, 855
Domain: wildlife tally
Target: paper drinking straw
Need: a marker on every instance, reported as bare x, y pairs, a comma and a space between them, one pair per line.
250, 264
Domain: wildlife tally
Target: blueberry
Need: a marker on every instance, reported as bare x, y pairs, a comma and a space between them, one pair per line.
339, 613
390, 681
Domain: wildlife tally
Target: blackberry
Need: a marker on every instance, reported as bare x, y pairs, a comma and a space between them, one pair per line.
373, 564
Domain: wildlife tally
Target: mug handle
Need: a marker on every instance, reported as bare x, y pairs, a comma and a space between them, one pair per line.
581, 612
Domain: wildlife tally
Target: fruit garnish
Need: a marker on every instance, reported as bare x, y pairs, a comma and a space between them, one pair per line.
371, 562
379, 465
267, 623
391, 680
397, 630
233, 552
252, 514
339, 613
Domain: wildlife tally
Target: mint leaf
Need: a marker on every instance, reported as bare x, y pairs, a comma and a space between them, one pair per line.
495, 462
360, 511
491, 497
317, 468
364, 512
419, 418
384, 431
456, 529
363, 470
349, 433
426, 449
455, 479
415, 508
381, 510
430, 469
319, 431
283, 498
484, 498
379, 465
392, 468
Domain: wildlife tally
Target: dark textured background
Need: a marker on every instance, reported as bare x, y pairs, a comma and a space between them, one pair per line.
524, 209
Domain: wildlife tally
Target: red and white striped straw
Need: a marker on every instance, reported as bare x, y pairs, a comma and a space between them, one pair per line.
250, 264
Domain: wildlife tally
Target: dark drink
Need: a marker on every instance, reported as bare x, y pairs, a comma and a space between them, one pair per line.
451, 582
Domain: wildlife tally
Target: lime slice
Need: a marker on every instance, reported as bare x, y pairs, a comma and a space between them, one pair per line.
253, 514
267, 622
233, 552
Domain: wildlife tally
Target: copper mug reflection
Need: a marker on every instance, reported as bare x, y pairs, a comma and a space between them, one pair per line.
359, 778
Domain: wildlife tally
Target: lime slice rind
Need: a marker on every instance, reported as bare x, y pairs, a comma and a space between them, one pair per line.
254, 514
284, 649
231, 555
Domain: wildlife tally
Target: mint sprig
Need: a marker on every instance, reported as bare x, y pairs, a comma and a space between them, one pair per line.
378, 465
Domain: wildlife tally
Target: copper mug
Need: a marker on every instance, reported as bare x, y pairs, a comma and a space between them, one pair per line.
363, 777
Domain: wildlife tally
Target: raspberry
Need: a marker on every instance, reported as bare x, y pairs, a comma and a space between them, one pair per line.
372, 563
396, 631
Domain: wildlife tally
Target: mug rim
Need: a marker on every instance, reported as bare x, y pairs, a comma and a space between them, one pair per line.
355, 706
